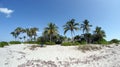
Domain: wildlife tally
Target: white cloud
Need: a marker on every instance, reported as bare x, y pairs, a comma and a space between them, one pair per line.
6, 11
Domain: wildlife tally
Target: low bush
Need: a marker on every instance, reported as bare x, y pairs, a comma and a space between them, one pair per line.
116, 41
89, 47
83, 42
70, 43
66, 44
15, 42
2, 44
76, 43
101, 41
32, 42
50, 43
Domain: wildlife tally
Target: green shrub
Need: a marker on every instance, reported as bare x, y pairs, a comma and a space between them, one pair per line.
2, 44
32, 42
70, 43
116, 41
83, 42
101, 41
76, 43
15, 42
66, 44
50, 43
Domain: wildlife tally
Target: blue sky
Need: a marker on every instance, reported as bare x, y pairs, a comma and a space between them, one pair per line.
38, 13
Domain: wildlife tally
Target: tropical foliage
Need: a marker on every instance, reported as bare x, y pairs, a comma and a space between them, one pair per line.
72, 26
98, 35
116, 41
3, 43
50, 34
30, 32
50, 31
14, 42
85, 26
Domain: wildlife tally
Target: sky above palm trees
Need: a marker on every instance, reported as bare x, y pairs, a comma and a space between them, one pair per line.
38, 13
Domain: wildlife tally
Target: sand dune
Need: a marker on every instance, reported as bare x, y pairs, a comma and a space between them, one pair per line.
58, 56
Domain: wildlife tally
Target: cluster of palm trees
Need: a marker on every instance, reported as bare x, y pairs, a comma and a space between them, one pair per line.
30, 32
51, 33
97, 35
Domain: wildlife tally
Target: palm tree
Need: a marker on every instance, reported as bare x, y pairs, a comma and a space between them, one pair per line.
72, 26
100, 33
34, 32
51, 30
86, 26
14, 35
18, 30
29, 33
45, 35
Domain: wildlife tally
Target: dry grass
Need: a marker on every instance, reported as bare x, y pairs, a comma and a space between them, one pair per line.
33, 47
89, 47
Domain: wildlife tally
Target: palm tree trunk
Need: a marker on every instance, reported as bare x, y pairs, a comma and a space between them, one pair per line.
72, 37
50, 38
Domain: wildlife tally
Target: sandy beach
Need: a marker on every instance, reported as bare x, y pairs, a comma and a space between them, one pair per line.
58, 56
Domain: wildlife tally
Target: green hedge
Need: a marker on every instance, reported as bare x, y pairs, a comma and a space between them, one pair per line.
83, 42
70, 43
2, 44
15, 42
116, 41
102, 41
32, 42
66, 44
50, 43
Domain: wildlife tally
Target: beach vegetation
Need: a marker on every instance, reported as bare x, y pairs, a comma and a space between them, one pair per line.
3, 43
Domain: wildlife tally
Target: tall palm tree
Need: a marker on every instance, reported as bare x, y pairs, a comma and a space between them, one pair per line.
51, 30
99, 32
18, 30
98, 35
86, 26
14, 35
72, 26
46, 35
86, 29
29, 33
34, 32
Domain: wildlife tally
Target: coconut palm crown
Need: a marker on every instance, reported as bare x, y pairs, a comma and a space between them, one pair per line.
86, 26
72, 26
51, 30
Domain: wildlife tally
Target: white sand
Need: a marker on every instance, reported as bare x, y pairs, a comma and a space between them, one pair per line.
58, 56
